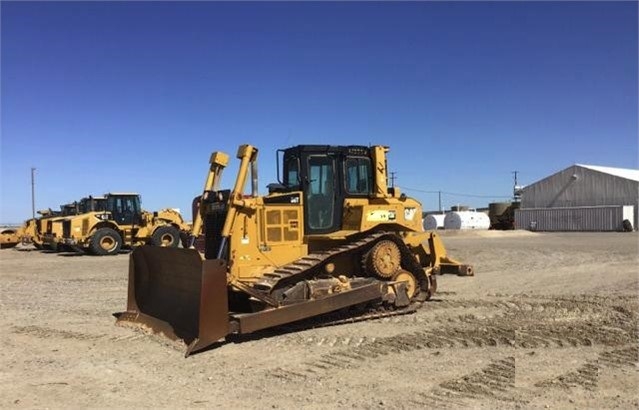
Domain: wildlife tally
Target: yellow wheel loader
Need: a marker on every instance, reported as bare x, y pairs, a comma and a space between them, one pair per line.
122, 223
28, 232
9, 237
52, 226
35, 229
53, 238
329, 236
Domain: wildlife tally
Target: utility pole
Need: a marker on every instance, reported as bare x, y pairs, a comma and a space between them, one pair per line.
516, 188
440, 201
33, 192
393, 179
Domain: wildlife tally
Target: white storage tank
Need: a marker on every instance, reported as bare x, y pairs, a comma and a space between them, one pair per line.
466, 220
434, 222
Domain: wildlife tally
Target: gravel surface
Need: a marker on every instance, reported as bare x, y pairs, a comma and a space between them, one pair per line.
549, 321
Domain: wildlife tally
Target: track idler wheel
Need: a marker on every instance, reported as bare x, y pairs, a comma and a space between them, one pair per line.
412, 288
383, 260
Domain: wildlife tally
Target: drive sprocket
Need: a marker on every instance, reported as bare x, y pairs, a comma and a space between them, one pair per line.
384, 259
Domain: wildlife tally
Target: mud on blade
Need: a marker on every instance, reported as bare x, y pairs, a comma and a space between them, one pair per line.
173, 292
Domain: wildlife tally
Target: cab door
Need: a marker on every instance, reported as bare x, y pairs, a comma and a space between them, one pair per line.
322, 199
125, 210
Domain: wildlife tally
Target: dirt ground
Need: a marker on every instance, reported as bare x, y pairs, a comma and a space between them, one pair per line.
549, 321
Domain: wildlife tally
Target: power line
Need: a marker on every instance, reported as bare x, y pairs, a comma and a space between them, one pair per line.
453, 193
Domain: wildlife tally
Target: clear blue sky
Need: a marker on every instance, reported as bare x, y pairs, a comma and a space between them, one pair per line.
133, 96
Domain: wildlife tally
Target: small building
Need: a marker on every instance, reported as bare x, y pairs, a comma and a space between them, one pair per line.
581, 198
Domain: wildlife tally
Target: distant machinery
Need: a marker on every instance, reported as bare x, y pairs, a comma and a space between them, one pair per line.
502, 214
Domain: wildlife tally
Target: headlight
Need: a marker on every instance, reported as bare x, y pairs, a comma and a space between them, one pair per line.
76, 229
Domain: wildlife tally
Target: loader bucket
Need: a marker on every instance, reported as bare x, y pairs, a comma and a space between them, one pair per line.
175, 293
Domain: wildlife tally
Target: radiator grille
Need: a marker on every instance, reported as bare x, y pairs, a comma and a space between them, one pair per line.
66, 229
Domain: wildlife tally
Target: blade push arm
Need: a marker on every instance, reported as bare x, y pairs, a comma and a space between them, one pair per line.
247, 154
218, 162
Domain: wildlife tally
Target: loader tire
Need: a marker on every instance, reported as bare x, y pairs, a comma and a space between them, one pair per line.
105, 241
65, 248
184, 239
166, 236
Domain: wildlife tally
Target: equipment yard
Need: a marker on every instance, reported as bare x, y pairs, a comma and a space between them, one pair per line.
548, 321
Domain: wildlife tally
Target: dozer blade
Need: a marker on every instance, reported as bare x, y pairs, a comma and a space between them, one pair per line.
174, 293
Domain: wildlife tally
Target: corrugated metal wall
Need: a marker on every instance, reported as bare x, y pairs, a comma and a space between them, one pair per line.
595, 218
578, 186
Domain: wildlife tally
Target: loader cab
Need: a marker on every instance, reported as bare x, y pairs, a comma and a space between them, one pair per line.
326, 175
125, 208
92, 204
68, 209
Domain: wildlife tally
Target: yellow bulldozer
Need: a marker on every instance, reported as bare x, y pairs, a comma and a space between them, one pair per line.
329, 236
122, 223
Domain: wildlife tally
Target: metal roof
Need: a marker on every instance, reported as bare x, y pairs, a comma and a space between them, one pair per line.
631, 174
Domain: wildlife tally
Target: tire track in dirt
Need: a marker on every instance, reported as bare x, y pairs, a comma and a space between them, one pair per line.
49, 333
566, 323
628, 356
495, 381
548, 324
586, 375
459, 338
519, 324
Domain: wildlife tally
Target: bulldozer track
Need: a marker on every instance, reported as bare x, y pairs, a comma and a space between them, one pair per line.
308, 264
305, 267
350, 316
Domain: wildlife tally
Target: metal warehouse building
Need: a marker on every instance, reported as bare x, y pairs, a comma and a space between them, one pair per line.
581, 198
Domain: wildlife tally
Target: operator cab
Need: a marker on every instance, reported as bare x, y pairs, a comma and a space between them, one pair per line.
91, 204
68, 209
125, 208
326, 175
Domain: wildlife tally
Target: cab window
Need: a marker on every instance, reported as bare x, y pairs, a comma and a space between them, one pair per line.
320, 194
292, 172
358, 176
